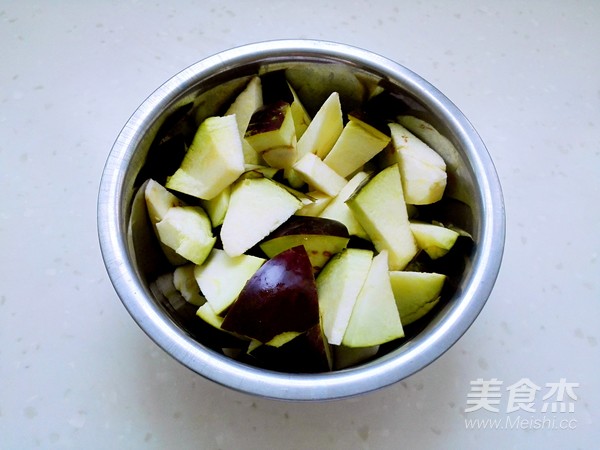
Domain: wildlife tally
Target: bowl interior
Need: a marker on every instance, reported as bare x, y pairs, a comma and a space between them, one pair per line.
152, 145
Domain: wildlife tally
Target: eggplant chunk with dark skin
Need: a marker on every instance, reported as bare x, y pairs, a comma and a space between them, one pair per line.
272, 134
309, 352
322, 238
280, 297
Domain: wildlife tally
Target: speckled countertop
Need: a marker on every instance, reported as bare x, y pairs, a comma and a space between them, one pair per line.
75, 370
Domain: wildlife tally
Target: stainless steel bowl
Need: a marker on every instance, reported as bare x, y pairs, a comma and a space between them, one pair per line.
205, 86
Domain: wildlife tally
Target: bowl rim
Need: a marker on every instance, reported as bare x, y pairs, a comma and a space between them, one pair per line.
391, 368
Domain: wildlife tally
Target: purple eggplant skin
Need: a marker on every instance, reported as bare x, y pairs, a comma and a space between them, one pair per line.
275, 87
268, 118
306, 353
310, 225
281, 296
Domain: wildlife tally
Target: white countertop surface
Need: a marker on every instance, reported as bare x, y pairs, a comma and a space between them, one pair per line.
77, 372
